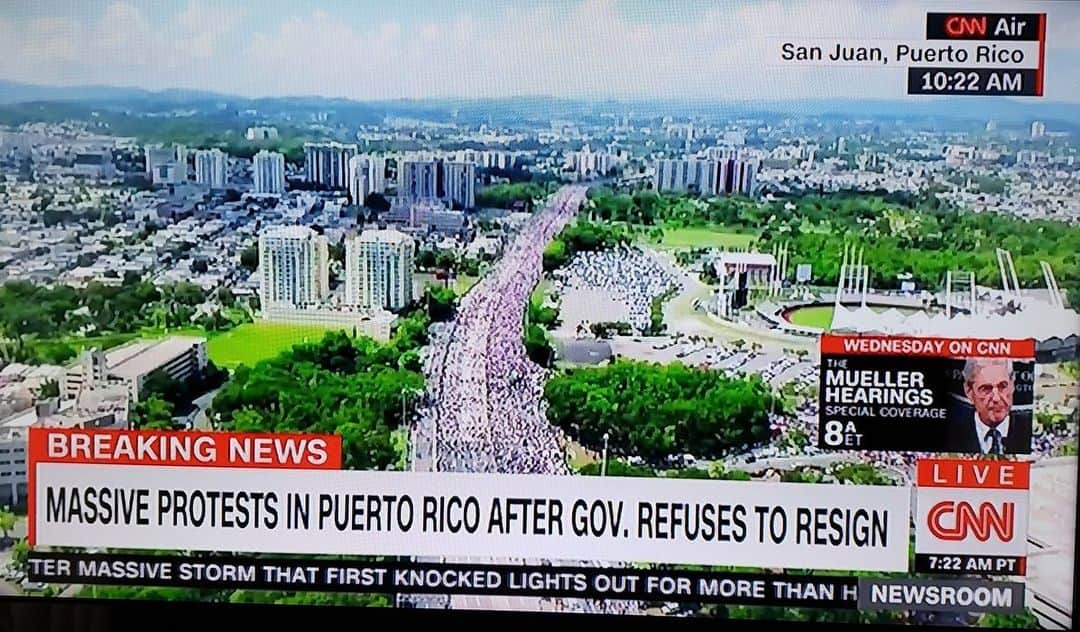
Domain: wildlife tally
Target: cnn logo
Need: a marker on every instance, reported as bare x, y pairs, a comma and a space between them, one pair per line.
953, 521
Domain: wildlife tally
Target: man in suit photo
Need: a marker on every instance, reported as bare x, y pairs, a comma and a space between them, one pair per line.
990, 425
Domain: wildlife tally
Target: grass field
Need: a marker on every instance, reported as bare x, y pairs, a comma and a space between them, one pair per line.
704, 237
814, 316
251, 342
463, 283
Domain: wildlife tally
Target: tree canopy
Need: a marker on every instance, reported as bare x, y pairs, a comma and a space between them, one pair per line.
582, 236
656, 411
505, 195
354, 387
898, 233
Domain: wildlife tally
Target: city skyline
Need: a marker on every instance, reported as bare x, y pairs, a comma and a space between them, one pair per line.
571, 49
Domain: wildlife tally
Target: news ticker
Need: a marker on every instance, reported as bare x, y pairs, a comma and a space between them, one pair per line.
963, 53
926, 394
584, 582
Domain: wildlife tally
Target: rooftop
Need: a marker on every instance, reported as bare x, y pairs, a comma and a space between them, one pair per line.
746, 258
293, 232
384, 236
143, 356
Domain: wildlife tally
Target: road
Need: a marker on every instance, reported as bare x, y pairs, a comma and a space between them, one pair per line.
484, 409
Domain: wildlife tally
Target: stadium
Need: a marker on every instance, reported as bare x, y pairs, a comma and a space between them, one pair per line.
961, 309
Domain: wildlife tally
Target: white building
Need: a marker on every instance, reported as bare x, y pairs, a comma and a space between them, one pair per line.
1038, 129
166, 165
261, 133
453, 182
708, 177
178, 357
379, 270
293, 266
94, 164
956, 155
459, 184
590, 164
211, 168
13, 450
268, 172
328, 163
367, 175
417, 179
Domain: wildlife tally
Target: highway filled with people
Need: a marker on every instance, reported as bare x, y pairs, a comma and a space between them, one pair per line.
484, 408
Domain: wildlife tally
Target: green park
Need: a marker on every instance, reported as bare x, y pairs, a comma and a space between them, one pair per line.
819, 316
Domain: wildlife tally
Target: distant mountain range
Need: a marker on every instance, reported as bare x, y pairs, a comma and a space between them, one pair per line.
15, 92
1002, 109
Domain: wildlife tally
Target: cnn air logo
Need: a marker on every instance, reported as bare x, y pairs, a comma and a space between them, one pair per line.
972, 507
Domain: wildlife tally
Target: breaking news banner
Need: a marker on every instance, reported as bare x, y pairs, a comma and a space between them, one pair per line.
971, 517
285, 574
962, 395
82, 498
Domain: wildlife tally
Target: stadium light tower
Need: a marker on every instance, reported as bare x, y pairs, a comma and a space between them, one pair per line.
603, 462
959, 292
1052, 285
1009, 282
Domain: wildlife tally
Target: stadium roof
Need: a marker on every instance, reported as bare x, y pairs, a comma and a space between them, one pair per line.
1037, 320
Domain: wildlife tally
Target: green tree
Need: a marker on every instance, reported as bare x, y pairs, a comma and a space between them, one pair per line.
446, 259
659, 411
152, 412
353, 387
20, 553
7, 522
49, 390
617, 467
441, 302
537, 346
226, 297
1016, 621
249, 257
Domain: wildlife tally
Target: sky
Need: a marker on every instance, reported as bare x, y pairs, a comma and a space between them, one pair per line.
724, 50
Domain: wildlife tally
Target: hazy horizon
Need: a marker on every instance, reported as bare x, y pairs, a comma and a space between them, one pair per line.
414, 50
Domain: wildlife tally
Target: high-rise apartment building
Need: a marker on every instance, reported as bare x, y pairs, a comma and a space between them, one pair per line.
211, 168
367, 175
293, 266
268, 172
709, 177
452, 182
328, 163
459, 184
379, 270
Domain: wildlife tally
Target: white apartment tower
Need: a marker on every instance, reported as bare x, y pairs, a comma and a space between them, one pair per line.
459, 184
268, 172
328, 163
417, 179
379, 269
211, 168
709, 177
293, 266
367, 175
450, 181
